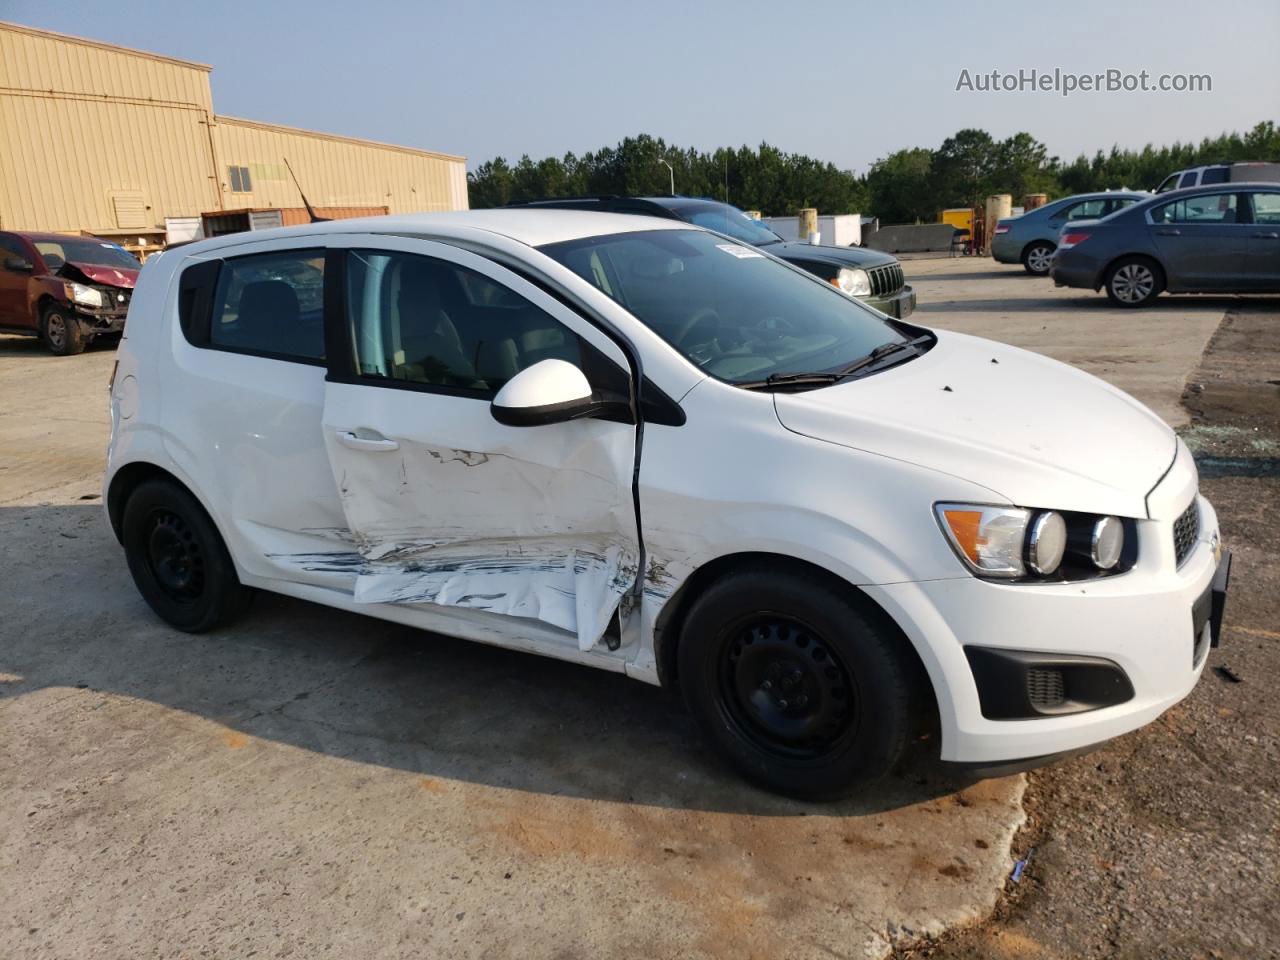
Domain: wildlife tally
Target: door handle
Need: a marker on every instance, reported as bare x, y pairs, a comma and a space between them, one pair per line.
375, 444
1273, 235
1169, 233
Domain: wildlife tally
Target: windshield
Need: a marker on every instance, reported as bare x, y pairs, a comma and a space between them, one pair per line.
77, 250
732, 311
726, 219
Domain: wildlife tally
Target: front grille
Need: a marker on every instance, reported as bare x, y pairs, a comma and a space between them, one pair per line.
886, 280
115, 301
1045, 688
1186, 531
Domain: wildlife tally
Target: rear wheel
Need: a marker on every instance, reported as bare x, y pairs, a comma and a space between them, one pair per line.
1134, 282
794, 684
1037, 258
178, 561
62, 331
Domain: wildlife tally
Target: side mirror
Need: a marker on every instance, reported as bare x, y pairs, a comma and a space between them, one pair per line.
550, 391
18, 264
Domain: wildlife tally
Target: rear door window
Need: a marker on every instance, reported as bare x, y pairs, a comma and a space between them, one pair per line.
1210, 208
1266, 208
271, 304
1087, 210
1213, 175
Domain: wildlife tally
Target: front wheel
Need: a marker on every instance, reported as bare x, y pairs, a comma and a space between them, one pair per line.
1037, 258
62, 331
794, 684
1133, 282
178, 560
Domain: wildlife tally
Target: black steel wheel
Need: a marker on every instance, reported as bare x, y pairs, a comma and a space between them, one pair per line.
795, 680
174, 556
178, 560
785, 685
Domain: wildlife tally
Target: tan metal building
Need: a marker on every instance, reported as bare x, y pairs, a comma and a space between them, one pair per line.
112, 141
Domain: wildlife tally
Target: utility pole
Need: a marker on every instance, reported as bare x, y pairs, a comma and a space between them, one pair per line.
673, 175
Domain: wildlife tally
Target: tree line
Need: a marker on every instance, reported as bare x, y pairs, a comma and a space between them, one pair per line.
906, 186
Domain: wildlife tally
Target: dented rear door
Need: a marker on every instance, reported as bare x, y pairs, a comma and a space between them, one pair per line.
447, 506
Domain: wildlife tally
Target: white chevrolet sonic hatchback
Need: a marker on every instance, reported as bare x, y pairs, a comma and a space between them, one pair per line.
636, 444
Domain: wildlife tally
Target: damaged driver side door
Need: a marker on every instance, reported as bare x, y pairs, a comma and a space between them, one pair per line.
446, 505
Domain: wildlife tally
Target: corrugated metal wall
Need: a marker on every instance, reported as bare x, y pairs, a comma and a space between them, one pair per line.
333, 171
82, 124
101, 138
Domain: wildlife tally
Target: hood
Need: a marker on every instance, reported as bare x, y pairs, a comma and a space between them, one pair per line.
1035, 432
835, 256
99, 273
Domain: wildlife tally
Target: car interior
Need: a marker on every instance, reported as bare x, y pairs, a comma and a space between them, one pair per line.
423, 320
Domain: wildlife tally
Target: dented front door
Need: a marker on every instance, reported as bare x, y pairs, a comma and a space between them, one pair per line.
447, 506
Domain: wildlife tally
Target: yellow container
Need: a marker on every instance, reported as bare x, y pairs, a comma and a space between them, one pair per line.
961, 217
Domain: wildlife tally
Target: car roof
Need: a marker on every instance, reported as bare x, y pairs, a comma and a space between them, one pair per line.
1216, 188
528, 225
1102, 195
35, 235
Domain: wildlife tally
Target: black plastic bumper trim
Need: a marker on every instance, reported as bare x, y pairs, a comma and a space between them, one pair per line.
1089, 683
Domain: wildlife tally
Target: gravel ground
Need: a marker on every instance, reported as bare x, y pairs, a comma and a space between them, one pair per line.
1164, 843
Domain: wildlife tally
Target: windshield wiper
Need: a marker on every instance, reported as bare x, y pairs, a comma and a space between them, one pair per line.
815, 379
883, 352
791, 380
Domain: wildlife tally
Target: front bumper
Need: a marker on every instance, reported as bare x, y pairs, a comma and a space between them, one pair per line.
899, 305
105, 320
1143, 621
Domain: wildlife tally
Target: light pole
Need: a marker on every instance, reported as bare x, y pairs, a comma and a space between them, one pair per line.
673, 175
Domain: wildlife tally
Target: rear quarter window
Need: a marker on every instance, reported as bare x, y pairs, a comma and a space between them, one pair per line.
269, 304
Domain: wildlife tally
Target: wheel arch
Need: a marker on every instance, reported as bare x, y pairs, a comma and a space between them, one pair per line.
671, 618
132, 475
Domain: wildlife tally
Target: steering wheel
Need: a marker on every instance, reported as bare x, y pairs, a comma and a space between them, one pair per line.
775, 326
703, 313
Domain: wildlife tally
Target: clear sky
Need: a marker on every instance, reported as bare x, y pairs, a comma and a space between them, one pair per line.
843, 81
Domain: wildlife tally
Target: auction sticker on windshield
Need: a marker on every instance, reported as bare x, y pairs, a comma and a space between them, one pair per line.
739, 251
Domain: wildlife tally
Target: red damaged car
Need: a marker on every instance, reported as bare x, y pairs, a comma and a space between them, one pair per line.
66, 290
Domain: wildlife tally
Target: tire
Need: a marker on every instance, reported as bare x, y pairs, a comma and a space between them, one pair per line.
62, 331
178, 561
1134, 282
1035, 259
794, 684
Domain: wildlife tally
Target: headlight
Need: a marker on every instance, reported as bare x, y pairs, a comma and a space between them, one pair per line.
86, 296
1106, 542
1012, 542
1046, 542
853, 281
988, 539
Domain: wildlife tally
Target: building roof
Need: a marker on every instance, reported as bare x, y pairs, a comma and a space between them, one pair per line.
115, 48
529, 226
339, 138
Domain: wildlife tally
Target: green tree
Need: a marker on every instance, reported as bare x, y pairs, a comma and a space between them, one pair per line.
899, 187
